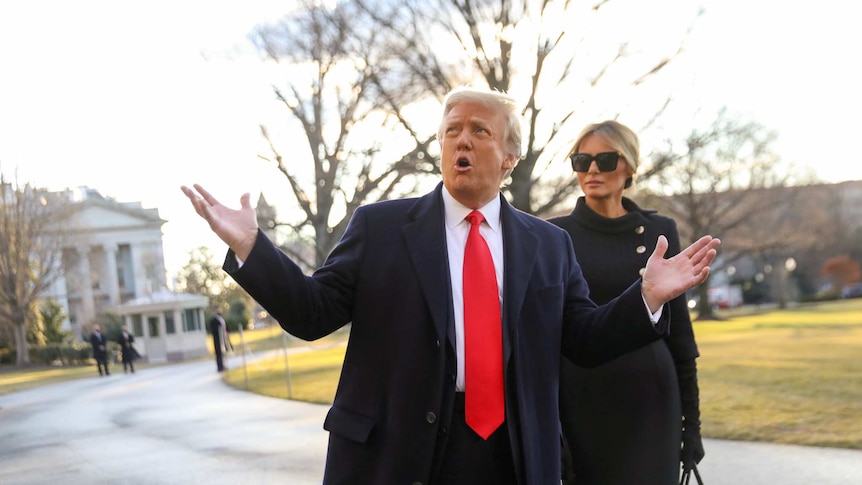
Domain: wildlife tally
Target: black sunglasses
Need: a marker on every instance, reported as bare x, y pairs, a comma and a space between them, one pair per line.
605, 161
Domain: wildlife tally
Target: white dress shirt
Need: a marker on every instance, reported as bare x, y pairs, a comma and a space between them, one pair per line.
457, 230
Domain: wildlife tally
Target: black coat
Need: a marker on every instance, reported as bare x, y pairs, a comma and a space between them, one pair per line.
128, 350
389, 276
622, 420
100, 346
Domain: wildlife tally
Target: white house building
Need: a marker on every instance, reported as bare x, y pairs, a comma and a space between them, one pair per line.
112, 257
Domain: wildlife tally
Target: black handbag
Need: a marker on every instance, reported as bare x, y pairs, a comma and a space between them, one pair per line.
686, 476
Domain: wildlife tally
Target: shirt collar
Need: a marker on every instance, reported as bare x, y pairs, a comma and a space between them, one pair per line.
455, 212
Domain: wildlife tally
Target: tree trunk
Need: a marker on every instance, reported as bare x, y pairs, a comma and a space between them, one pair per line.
21, 348
704, 307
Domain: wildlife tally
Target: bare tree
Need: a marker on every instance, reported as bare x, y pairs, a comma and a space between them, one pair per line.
826, 216
539, 52
363, 75
203, 276
727, 181
30, 256
349, 95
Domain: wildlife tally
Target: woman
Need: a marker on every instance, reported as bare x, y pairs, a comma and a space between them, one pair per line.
624, 422
126, 339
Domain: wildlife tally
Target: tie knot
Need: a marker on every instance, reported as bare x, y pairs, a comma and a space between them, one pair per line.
475, 218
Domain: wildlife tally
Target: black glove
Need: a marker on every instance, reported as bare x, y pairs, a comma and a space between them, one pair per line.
692, 445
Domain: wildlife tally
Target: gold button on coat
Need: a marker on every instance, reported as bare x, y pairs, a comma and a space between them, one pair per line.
639, 230
641, 249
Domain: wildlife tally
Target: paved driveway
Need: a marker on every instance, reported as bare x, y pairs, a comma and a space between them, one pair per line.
180, 424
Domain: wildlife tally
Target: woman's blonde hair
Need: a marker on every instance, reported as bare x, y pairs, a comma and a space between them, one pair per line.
619, 137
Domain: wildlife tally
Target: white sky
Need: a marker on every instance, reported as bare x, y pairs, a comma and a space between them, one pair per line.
116, 95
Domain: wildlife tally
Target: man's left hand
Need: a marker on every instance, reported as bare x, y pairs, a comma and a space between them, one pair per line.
665, 279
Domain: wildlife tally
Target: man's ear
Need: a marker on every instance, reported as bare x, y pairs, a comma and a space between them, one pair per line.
509, 162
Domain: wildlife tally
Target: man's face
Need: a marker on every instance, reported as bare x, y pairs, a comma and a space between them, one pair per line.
474, 158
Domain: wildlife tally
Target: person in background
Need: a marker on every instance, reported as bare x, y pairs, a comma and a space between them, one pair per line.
100, 350
624, 421
228, 345
443, 292
128, 351
217, 326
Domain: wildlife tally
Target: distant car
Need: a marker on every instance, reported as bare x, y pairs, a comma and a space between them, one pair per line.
852, 291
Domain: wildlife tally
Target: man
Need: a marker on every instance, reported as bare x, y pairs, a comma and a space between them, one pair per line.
404, 409
100, 352
217, 325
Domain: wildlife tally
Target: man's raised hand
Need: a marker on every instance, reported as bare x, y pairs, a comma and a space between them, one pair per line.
236, 227
665, 279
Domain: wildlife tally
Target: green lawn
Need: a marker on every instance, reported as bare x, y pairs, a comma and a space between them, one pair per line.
313, 375
785, 376
788, 376
13, 379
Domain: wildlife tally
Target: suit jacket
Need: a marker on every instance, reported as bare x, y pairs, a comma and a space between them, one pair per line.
100, 345
389, 277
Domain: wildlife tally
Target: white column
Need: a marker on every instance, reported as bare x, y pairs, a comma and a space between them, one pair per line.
87, 304
113, 283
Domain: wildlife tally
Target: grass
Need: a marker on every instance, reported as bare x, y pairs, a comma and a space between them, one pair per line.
274, 338
787, 376
308, 372
13, 379
312, 375
783, 376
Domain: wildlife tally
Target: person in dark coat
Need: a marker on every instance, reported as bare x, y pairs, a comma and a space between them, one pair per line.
400, 409
624, 421
100, 350
217, 326
128, 352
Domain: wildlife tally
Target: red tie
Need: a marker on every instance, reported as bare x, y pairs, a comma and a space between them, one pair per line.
483, 337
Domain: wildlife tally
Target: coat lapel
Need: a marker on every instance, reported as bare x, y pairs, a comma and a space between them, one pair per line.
425, 238
521, 247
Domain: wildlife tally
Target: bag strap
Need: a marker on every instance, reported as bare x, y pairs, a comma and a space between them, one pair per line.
686, 476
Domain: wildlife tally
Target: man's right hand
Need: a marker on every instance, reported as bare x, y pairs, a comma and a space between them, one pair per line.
237, 228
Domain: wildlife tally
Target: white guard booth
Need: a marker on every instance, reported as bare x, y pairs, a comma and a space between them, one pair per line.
168, 326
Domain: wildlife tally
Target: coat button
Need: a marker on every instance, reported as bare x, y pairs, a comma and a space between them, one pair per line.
452, 377
431, 418
639, 230
438, 344
441, 432
642, 271
641, 249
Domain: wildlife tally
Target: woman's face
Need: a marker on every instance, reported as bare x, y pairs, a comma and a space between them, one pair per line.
600, 185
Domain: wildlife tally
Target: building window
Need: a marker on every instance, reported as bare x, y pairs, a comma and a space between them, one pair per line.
125, 278
191, 320
137, 326
96, 261
153, 326
170, 328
